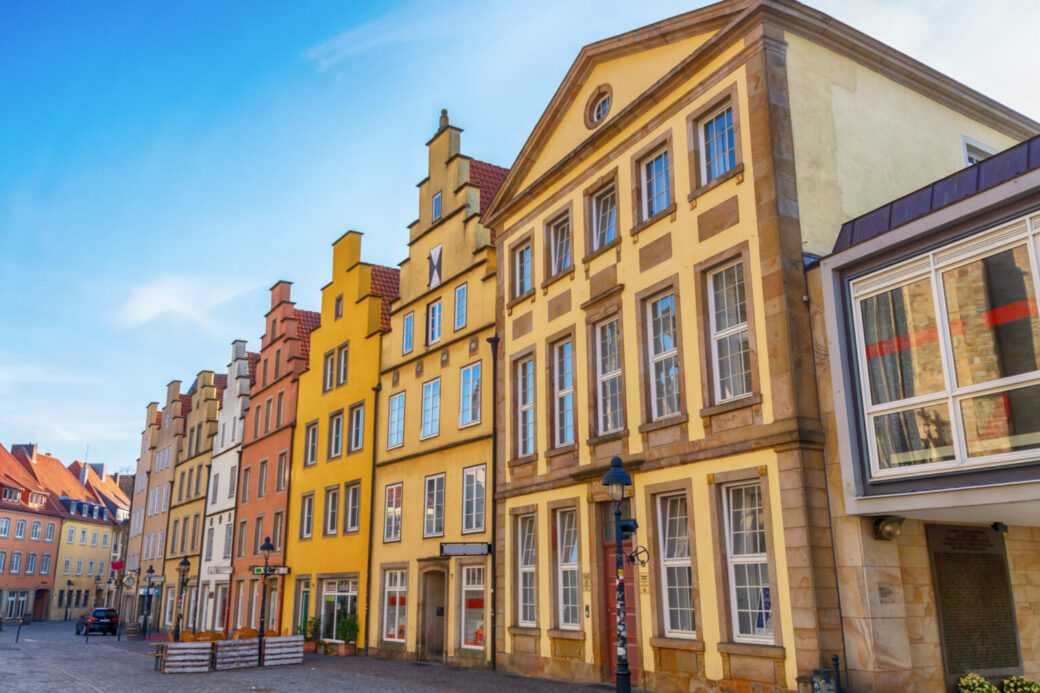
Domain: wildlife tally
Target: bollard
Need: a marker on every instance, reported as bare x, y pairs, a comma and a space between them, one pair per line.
18, 632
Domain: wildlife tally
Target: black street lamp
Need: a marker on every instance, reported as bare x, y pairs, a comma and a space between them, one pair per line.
68, 597
150, 574
267, 547
617, 479
182, 568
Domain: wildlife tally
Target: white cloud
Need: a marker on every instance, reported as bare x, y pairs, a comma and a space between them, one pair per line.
189, 298
15, 370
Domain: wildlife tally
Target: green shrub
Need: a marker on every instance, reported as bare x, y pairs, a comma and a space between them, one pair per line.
347, 628
1018, 684
309, 631
973, 683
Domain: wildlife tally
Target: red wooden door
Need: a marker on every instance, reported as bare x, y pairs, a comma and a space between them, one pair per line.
610, 594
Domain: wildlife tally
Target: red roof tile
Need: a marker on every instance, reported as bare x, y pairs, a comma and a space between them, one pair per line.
186, 406
489, 177
52, 475
385, 283
254, 360
13, 474
102, 486
306, 322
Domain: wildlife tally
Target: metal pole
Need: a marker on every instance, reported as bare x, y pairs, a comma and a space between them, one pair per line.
263, 609
18, 632
622, 676
179, 606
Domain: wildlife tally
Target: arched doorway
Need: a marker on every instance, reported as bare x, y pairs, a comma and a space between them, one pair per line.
41, 600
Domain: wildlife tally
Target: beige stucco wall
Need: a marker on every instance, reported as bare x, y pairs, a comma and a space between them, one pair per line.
860, 139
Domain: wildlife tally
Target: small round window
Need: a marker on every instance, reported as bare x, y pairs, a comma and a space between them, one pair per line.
598, 107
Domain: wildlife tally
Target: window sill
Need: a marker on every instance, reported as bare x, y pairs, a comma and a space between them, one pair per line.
674, 420
607, 437
734, 172
674, 643
748, 649
469, 424
562, 450
569, 272
533, 631
520, 461
732, 405
601, 250
565, 634
646, 223
520, 299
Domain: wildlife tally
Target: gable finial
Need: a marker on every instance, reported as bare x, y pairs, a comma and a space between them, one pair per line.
444, 118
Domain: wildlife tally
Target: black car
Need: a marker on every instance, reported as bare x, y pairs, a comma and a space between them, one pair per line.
101, 620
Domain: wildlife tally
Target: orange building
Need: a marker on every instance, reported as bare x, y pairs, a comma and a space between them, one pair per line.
263, 474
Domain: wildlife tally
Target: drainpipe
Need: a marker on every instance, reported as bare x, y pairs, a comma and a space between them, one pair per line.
283, 580
371, 508
493, 341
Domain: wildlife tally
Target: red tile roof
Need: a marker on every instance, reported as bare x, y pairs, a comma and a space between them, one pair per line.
52, 475
306, 322
186, 406
13, 474
254, 360
489, 177
102, 486
385, 283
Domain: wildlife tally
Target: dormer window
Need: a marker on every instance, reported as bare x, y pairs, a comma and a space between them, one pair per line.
436, 214
11, 494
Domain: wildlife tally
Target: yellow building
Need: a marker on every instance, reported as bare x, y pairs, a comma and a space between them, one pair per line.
650, 239
434, 429
190, 484
332, 461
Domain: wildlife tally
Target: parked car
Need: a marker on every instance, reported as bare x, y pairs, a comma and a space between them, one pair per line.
101, 620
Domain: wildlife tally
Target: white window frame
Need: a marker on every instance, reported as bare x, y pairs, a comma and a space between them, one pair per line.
526, 571
310, 444
461, 309
563, 417
973, 149
701, 125
342, 363
603, 377
564, 569
306, 517
522, 270
433, 322
474, 498
352, 507
745, 559
392, 511
644, 164
435, 206
330, 526
395, 423
329, 371
526, 429
335, 447
663, 501
718, 335
469, 387
399, 589
599, 227
19, 532
471, 586
560, 246
357, 428
36, 527
655, 357
408, 332
48, 535
5, 528
931, 265
433, 507
430, 426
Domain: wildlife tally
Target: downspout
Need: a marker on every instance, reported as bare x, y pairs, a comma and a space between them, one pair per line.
827, 494
493, 341
371, 508
285, 518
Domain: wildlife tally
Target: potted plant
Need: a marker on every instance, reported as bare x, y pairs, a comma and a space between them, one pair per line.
346, 632
309, 631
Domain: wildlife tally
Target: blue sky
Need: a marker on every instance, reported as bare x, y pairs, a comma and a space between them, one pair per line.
162, 164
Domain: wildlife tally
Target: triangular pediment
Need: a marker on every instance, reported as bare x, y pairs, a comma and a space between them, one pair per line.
628, 65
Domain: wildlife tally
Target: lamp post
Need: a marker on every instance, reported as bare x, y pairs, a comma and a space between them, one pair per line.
267, 547
182, 568
616, 479
68, 597
150, 573
97, 587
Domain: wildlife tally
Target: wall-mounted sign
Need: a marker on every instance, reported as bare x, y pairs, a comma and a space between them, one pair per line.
464, 548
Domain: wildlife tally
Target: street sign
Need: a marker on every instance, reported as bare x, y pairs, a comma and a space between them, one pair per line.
464, 548
271, 570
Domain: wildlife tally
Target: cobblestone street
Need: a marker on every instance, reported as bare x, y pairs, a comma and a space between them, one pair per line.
49, 657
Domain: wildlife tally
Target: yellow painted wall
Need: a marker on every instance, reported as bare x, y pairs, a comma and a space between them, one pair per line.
468, 258
628, 77
861, 139
344, 552
76, 551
